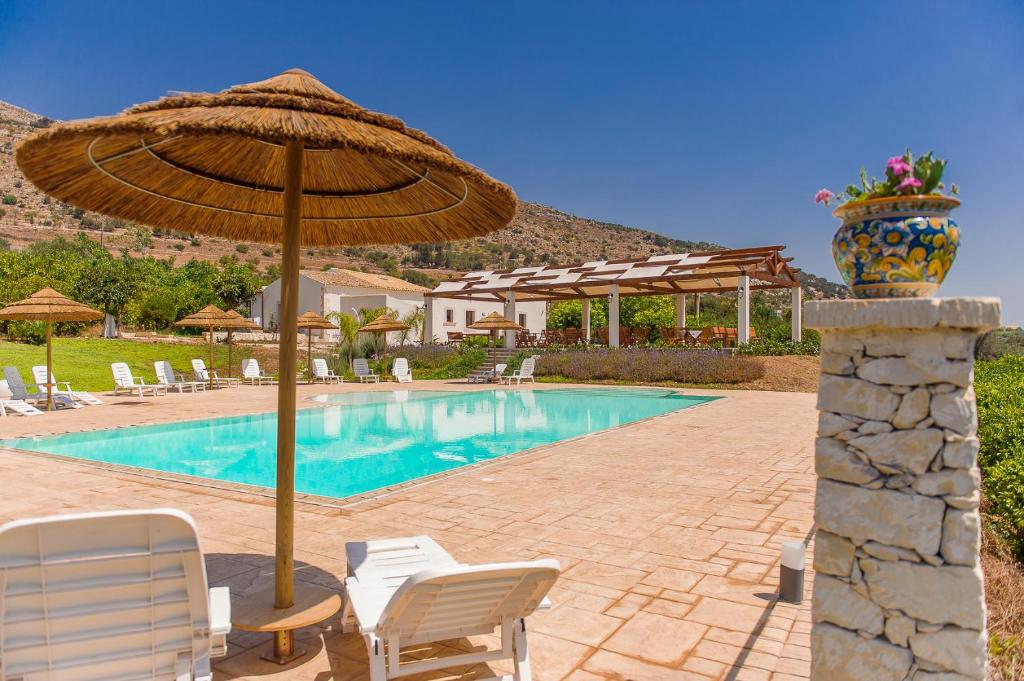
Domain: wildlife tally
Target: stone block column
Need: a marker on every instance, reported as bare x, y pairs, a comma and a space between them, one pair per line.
898, 585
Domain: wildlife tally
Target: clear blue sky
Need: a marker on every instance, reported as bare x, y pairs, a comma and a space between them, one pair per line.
713, 120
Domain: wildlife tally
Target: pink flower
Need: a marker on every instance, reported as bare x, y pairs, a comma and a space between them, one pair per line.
909, 182
823, 196
898, 166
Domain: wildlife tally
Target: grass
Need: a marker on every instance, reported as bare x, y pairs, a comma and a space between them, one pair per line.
85, 362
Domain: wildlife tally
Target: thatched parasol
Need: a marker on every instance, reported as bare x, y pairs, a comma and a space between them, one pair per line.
46, 305
384, 325
210, 317
234, 322
494, 322
285, 160
311, 320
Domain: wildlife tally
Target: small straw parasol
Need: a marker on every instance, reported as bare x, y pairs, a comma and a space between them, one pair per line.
235, 322
494, 322
46, 305
309, 321
285, 160
210, 317
383, 325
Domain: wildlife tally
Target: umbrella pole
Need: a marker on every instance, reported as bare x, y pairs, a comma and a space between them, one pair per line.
284, 593
49, 366
309, 354
229, 353
213, 368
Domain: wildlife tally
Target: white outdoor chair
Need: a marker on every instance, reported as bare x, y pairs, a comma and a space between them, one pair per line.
110, 595
253, 375
400, 370
167, 376
523, 373
202, 374
321, 372
39, 376
124, 381
17, 406
409, 591
19, 392
361, 368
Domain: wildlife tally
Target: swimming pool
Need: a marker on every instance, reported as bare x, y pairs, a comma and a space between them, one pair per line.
357, 442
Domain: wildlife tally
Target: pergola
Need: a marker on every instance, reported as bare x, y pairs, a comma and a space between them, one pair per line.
741, 270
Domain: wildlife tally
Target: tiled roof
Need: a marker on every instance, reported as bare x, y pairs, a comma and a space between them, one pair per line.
354, 279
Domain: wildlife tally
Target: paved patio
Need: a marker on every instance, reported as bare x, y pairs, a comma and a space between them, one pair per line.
668, 533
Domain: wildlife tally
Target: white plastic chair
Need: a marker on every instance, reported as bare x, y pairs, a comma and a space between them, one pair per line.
112, 595
253, 375
400, 370
361, 368
124, 381
523, 373
39, 376
167, 376
410, 591
201, 373
321, 372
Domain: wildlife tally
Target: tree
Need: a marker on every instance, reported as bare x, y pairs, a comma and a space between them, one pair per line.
569, 314
236, 283
416, 319
348, 333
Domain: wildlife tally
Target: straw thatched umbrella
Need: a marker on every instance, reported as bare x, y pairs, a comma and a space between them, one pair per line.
494, 322
46, 305
235, 322
384, 325
210, 317
286, 160
309, 321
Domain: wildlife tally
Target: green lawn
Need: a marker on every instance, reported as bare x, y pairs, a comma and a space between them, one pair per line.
85, 362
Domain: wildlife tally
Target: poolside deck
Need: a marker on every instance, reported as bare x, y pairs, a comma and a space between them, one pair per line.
667, 530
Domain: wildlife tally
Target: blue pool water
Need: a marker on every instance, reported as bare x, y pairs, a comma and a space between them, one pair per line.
357, 442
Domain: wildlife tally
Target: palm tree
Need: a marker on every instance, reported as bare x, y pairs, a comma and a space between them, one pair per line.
347, 333
416, 319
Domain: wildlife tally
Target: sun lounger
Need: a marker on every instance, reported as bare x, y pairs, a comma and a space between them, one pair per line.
523, 373
409, 591
167, 376
39, 376
323, 373
17, 406
124, 381
201, 373
19, 392
253, 375
362, 371
400, 370
111, 595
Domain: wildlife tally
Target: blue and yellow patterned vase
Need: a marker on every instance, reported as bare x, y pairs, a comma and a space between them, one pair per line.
896, 247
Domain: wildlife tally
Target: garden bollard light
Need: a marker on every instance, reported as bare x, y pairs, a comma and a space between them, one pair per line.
791, 572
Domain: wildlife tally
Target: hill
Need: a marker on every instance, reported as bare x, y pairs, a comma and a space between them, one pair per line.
538, 234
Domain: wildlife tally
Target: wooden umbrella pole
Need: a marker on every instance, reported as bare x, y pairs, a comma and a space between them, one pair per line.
309, 355
212, 367
49, 365
291, 240
229, 353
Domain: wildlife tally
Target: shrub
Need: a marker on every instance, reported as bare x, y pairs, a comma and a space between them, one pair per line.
267, 252
439, 361
241, 248
810, 345
650, 366
25, 332
179, 247
999, 385
1000, 342
10, 199
195, 241
1004, 492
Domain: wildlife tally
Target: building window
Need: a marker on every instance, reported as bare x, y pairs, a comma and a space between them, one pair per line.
522, 319
470, 317
449, 316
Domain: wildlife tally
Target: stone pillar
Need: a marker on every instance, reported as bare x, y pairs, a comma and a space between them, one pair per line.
613, 316
898, 585
743, 311
585, 321
796, 321
510, 314
428, 320
680, 310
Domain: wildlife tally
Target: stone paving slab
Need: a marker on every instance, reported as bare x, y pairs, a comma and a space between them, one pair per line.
668, 532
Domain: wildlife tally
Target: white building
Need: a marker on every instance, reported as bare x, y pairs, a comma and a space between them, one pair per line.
338, 290
448, 315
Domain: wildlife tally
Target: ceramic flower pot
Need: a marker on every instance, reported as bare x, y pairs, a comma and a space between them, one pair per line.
896, 247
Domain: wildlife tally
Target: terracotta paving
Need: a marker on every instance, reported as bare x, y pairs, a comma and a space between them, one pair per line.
668, 533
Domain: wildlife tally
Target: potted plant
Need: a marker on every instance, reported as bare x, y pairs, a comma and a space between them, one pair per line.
897, 239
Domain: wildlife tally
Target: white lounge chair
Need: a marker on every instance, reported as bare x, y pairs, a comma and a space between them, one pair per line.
409, 591
253, 375
112, 595
362, 370
523, 373
17, 406
400, 370
167, 376
201, 373
39, 376
19, 392
321, 372
124, 381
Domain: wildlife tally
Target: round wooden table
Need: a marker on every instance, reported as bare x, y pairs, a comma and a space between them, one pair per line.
312, 604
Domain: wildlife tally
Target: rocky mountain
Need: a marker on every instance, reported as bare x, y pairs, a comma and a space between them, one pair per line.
538, 234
